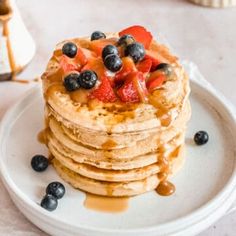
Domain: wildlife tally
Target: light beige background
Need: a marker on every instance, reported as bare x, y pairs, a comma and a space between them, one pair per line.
203, 35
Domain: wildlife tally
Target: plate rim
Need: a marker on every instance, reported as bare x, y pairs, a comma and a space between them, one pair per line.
191, 218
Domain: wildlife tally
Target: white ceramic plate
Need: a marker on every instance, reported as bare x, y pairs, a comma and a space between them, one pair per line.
205, 186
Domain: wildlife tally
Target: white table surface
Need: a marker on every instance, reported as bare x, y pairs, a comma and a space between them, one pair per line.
203, 35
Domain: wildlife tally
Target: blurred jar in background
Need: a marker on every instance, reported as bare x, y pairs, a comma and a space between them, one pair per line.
17, 47
215, 3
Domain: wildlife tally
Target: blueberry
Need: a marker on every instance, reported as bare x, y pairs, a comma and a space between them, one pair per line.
108, 50
87, 79
69, 49
136, 51
49, 202
125, 40
113, 63
71, 82
97, 35
39, 163
166, 68
56, 189
201, 137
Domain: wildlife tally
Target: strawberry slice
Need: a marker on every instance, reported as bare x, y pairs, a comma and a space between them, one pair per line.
80, 57
134, 88
128, 67
95, 64
67, 64
104, 92
155, 80
71, 64
140, 34
144, 65
153, 57
98, 45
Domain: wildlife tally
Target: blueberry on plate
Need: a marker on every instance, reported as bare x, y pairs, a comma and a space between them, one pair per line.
87, 79
71, 82
39, 163
125, 40
108, 50
136, 51
97, 35
113, 63
166, 68
69, 49
56, 189
201, 137
49, 202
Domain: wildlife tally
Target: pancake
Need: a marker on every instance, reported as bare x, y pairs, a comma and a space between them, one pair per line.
114, 189
58, 149
117, 141
116, 148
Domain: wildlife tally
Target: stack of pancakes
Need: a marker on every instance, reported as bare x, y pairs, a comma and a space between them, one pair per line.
117, 149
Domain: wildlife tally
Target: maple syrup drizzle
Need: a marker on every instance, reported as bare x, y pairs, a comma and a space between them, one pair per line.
109, 144
42, 136
165, 188
21, 81
12, 61
106, 204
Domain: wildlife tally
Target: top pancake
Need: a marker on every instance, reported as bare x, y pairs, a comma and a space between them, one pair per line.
162, 109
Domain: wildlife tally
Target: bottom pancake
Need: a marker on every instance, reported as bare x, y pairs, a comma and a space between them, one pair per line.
116, 189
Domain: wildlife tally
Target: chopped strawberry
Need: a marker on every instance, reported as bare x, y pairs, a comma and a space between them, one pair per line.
95, 64
153, 57
128, 67
104, 92
68, 64
155, 80
140, 34
134, 89
98, 45
144, 65
80, 56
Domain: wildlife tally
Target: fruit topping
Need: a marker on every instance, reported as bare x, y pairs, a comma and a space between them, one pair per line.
144, 65
140, 34
104, 92
201, 137
155, 80
125, 40
49, 203
113, 63
166, 68
136, 69
136, 51
97, 35
71, 82
87, 79
96, 65
109, 50
128, 67
134, 89
69, 49
151, 55
56, 189
39, 163
68, 64
81, 57
98, 45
